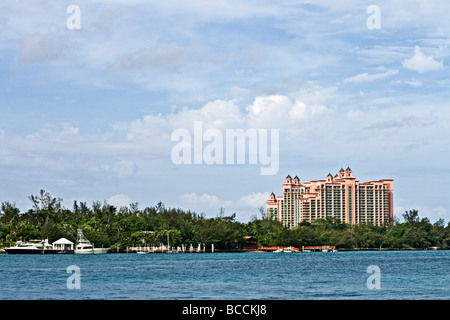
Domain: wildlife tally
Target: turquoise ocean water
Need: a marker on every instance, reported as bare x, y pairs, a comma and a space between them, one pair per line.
228, 276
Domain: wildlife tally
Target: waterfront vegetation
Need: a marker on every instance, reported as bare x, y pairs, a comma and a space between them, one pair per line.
119, 228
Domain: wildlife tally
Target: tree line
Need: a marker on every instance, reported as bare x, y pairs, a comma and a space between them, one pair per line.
118, 228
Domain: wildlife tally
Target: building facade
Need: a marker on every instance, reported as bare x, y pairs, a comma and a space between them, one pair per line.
339, 197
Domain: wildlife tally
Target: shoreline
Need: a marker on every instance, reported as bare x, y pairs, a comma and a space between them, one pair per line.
2, 251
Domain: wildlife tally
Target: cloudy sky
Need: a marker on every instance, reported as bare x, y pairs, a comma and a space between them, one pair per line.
88, 114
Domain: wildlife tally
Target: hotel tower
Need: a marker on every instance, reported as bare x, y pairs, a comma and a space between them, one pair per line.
340, 197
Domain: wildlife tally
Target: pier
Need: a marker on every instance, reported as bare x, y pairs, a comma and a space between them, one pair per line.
162, 248
325, 248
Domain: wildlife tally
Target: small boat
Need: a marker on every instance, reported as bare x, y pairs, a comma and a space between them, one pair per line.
84, 246
278, 250
32, 247
142, 250
288, 250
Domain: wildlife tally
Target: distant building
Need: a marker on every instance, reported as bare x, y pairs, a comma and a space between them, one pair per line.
251, 243
340, 197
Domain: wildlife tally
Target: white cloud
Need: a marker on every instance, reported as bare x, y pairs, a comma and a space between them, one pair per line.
432, 213
167, 57
119, 200
155, 130
276, 111
254, 200
219, 9
422, 63
124, 168
265, 112
365, 77
120, 169
203, 202
38, 49
55, 138
439, 212
355, 115
238, 93
269, 109
412, 83
244, 207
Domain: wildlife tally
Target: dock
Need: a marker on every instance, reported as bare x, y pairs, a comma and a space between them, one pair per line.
325, 248
162, 248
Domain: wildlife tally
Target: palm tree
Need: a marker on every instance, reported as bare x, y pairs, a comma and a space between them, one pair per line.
45, 205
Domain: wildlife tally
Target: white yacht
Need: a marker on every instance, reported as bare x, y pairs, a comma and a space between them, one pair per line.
32, 247
84, 246
288, 250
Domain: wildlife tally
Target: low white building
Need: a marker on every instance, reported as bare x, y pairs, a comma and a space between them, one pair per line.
63, 245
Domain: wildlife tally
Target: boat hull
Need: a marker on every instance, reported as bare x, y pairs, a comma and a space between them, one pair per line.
29, 251
92, 251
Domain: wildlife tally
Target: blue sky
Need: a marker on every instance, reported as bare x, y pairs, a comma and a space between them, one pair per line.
87, 114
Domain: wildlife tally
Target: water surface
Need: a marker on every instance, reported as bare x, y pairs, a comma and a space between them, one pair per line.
228, 276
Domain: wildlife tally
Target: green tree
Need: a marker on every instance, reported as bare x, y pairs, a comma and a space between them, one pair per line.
44, 206
223, 231
51, 231
9, 214
411, 216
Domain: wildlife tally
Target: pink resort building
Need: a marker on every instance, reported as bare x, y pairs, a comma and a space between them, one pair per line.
340, 197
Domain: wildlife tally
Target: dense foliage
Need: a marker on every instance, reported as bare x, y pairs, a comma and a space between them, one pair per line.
118, 228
